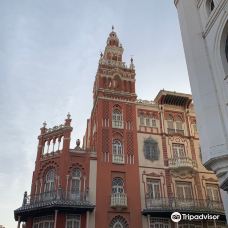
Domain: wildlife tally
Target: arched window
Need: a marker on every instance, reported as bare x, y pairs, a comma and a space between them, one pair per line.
117, 119
119, 222
117, 152
50, 181
75, 183
151, 151
117, 148
118, 225
117, 185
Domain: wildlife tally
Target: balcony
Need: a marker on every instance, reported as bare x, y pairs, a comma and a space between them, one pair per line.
182, 205
119, 200
117, 124
173, 131
49, 201
118, 158
182, 163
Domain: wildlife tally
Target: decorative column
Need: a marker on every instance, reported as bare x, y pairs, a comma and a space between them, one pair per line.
19, 222
56, 215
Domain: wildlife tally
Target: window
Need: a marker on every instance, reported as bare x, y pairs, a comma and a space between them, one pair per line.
119, 222
50, 181
49, 187
194, 128
184, 190
153, 122
188, 225
179, 124
175, 126
148, 122
117, 120
75, 183
170, 122
178, 150
73, 221
117, 185
151, 151
43, 222
158, 223
213, 193
153, 188
142, 120
117, 152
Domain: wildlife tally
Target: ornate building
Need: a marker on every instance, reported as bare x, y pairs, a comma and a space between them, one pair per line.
204, 29
140, 161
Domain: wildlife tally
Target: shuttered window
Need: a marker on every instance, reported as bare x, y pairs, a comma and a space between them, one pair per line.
151, 150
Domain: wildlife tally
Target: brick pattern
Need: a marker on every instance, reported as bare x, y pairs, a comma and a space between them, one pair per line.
105, 141
130, 143
129, 116
106, 110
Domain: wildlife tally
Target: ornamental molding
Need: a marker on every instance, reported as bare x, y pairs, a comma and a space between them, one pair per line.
211, 179
182, 175
199, 3
213, 17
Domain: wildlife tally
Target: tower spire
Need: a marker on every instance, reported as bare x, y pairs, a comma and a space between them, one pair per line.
113, 50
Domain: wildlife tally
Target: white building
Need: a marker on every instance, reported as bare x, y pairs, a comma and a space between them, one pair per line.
204, 29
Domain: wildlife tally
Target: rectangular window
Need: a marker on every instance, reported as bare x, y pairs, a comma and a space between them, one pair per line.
73, 221
148, 122
142, 120
43, 222
153, 122
184, 190
213, 193
178, 150
178, 125
158, 223
153, 189
170, 124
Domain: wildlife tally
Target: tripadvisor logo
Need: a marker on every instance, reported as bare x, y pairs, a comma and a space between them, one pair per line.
176, 217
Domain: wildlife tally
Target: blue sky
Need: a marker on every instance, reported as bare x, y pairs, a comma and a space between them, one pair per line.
49, 52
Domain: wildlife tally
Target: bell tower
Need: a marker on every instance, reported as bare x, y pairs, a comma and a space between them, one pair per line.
114, 138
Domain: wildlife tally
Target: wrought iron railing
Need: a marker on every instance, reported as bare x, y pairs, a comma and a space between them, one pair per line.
180, 162
55, 195
173, 203
118, 124
118, 158
119, 200
175, 131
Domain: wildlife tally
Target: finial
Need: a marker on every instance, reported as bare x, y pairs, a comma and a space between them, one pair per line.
112, 27
101, 54
44, 124
131, 60
68, 116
